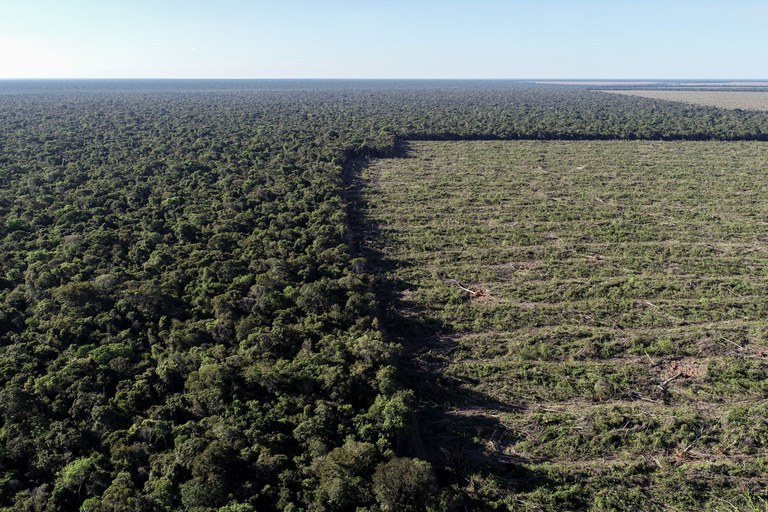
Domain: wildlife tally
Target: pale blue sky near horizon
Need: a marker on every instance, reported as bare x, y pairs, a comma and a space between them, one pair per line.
375, 39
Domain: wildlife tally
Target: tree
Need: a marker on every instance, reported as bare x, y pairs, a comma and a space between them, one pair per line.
403, 485
344, 477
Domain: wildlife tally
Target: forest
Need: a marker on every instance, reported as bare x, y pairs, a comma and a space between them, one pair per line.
189, 318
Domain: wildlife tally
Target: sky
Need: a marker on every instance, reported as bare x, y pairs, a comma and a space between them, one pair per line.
629, 39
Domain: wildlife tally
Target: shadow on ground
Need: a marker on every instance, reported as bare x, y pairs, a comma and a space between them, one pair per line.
446, 431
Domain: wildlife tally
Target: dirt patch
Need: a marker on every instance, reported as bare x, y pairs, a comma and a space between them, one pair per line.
685, 368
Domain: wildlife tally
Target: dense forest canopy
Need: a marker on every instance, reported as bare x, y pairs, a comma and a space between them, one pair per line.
183, 323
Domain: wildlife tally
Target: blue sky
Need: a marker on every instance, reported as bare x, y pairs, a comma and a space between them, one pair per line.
383, 39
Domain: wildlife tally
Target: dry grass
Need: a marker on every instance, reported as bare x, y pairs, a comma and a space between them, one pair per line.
723, 99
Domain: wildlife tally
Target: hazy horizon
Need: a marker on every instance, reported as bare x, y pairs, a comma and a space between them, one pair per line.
393, 79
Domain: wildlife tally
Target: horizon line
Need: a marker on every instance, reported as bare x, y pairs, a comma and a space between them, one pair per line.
520, 79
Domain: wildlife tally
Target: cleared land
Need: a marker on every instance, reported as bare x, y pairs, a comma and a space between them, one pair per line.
585, 319
723, 99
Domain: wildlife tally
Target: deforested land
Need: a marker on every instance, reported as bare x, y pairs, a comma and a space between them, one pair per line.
747, 100
590, 316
